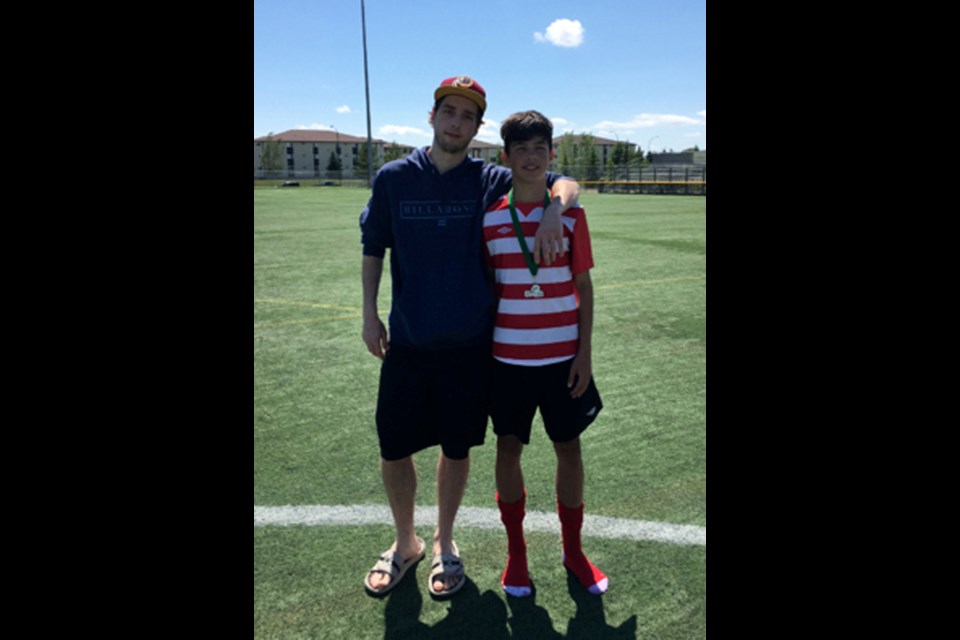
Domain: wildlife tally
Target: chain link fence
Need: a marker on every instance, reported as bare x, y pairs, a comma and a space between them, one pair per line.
685, 180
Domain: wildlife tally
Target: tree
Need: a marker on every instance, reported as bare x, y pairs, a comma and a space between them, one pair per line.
567, 155
392, 152
271, 154
360, 163
588, 157
334, 164
620, 157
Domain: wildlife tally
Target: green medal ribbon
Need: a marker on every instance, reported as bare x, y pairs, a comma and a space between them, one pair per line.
534, 267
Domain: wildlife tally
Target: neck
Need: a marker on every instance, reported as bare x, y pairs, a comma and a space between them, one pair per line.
443, 160
529, 191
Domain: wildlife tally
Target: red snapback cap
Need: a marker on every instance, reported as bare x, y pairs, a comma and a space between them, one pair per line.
462, 86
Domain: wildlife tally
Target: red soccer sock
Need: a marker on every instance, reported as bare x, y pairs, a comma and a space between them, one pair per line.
515, 579
571, 521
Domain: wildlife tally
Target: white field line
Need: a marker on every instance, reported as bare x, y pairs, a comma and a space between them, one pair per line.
478, 518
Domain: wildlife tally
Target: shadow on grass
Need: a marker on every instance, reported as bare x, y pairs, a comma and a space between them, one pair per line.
590, 622
470, 615
528, 620
473, 614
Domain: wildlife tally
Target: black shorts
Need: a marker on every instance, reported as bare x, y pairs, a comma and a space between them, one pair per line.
430, 397
518, 391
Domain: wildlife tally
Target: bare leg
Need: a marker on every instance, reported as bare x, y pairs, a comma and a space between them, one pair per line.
400, 480
509, 475
451, 484
569, 473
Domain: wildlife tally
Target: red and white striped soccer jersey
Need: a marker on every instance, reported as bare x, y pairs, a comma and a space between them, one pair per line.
537, 317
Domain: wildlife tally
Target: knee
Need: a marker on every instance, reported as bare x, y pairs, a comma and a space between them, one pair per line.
568, 451
509, 446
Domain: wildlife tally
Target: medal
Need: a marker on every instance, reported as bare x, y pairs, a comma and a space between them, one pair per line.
534, 291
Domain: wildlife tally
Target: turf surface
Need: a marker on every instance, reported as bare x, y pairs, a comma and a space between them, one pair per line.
315, 442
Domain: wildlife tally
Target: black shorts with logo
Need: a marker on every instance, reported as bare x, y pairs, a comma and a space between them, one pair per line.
431, 397
518, 391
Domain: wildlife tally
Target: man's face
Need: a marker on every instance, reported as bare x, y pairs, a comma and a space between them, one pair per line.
529, 159
455, 124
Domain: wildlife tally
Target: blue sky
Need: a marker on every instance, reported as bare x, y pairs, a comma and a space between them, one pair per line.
621, 69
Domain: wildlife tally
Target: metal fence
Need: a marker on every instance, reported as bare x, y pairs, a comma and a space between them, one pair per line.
686, 180
322, 176
679, 179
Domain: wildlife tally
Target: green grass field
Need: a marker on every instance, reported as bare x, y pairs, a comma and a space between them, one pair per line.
315, 441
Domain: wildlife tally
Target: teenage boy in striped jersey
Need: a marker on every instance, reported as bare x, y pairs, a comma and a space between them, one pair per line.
541, 348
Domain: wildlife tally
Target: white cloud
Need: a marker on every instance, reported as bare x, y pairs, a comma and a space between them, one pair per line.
315, 127
399, 130
703, 114
343, 109
489, 132
647, 120
559, 122
562, 33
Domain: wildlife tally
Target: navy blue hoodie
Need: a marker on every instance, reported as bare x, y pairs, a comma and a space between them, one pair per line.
433, 226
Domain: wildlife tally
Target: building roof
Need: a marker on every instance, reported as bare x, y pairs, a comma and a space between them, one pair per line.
314, 135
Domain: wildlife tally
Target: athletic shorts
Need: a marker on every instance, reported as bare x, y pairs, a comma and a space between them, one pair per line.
518, 391
433, 397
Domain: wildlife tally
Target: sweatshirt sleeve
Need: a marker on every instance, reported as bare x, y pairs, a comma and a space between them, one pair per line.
498, 180
376, 232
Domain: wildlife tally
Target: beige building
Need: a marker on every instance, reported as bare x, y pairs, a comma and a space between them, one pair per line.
604, 146
485, 151
305, 153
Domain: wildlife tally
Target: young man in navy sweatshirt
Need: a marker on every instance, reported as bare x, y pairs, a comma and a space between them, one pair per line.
427, 209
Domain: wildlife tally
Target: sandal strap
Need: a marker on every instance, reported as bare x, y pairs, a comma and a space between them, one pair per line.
386, 565
447, 560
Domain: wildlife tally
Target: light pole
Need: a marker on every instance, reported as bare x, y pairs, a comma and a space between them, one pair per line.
650, 150
366, 83
339, 161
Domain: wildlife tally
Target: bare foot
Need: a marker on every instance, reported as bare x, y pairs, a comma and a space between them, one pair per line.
380, 580
446, 581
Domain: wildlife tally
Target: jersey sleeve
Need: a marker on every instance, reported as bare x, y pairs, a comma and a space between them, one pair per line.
581, 253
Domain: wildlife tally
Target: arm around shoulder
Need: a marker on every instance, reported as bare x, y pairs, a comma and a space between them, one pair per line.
548, 243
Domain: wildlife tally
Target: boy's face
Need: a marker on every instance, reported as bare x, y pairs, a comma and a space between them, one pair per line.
529, 159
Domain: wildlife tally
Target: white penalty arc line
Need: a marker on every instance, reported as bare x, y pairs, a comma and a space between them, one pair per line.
478, 518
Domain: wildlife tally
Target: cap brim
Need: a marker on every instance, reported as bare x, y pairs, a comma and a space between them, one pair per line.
469, 94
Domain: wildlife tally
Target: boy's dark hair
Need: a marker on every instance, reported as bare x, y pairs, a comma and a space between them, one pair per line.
436, 107
526, 125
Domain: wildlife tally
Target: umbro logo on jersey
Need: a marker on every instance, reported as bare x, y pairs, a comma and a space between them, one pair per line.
504, 230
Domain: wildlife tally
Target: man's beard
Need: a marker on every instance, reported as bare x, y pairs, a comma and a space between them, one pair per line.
448, 147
